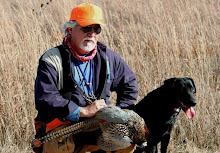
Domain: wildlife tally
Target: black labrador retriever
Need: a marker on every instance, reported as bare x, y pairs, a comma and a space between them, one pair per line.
160, 109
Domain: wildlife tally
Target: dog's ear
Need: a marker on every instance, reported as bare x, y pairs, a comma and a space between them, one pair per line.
192, 83
170, 82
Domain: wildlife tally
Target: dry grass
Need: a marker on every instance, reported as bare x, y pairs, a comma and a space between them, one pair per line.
158, 39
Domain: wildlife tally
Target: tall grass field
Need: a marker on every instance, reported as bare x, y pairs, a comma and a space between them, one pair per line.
159, 39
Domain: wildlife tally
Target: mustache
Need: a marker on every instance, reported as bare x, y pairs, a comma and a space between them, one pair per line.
90, 38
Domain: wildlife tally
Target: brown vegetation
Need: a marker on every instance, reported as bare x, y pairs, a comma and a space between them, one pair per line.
158, 39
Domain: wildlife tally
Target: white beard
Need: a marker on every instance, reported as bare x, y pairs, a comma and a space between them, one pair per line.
90, 45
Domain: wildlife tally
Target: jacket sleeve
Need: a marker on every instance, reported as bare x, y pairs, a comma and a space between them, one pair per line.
124, 83
49, 103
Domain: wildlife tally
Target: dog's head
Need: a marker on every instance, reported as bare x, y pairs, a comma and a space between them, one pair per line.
184, 90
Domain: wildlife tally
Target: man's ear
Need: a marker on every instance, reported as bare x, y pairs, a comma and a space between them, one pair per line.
69, 30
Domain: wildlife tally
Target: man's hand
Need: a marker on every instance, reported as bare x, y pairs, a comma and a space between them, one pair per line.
90, 110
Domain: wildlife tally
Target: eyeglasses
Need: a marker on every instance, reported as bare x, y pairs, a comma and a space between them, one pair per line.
97, 29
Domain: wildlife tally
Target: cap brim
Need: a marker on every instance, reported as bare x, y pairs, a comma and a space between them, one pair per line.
84, 22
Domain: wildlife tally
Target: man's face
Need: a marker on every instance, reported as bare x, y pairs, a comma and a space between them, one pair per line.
84, 39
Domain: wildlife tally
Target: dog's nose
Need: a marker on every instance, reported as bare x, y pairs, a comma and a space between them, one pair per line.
194, 103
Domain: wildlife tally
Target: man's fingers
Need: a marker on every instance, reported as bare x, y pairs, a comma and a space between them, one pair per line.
91, 109
100, 102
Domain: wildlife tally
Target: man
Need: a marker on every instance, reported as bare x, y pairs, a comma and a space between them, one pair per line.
74, 80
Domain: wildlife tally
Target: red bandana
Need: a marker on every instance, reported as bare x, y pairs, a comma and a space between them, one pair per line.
76, 54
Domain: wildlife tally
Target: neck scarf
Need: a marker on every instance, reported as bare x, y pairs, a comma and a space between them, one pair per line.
76, 54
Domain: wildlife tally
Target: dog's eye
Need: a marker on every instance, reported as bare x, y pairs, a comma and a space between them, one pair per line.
192, 89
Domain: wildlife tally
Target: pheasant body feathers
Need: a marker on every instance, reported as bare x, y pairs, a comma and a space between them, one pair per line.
112, 114
122, 130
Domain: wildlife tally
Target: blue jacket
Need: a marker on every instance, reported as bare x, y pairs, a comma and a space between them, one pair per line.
52, 84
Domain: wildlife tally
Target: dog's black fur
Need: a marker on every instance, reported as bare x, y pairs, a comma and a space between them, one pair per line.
160, 108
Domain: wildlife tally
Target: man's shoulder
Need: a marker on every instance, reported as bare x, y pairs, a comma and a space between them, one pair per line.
52, 57
103, 49
51, 53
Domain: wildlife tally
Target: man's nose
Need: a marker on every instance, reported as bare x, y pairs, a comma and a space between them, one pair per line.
92, 32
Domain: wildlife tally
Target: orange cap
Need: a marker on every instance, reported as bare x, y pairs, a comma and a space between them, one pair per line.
86, 14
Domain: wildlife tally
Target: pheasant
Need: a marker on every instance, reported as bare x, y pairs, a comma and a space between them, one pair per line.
120, 128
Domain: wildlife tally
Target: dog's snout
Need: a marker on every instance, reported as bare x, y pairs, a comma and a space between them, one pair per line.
194, 103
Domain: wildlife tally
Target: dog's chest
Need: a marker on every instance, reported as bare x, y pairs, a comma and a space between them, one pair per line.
172, 119
165, 120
